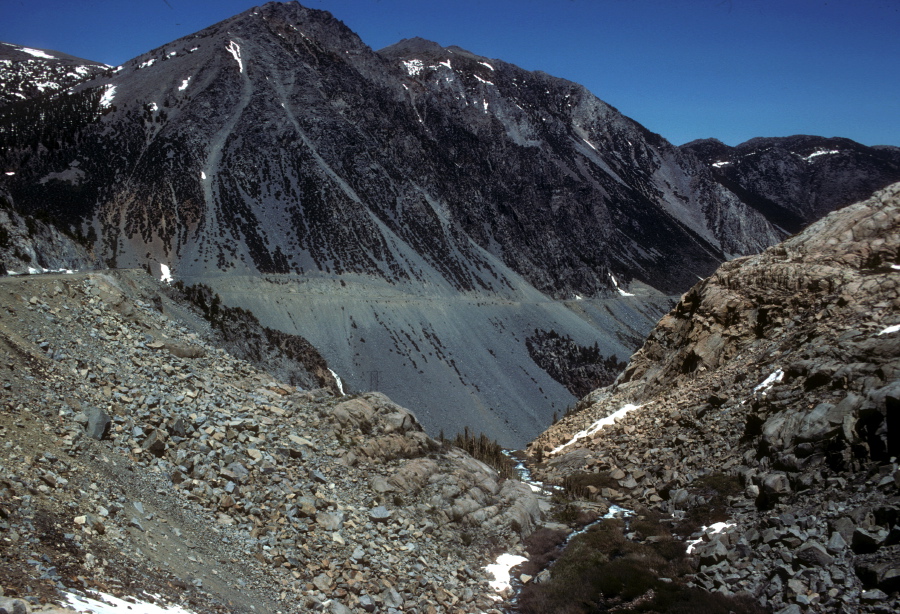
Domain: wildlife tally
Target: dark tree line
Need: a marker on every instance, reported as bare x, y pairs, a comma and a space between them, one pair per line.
579, 368
52, 121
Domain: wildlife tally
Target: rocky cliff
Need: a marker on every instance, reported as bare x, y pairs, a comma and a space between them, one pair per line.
31, 245
141, 461
767, 400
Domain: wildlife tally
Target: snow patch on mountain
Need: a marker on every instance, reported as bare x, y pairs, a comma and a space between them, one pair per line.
337, 379
37, 53
770, 381
596, 426
235, 50
500, 570
890, 329
108, 96
413, 67
820, 152
165, 273
616, 283
107, 604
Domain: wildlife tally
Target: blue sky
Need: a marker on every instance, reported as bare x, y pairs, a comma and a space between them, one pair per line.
687, 69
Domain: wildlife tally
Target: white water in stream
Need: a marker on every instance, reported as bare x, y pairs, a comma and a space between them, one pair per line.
503, 579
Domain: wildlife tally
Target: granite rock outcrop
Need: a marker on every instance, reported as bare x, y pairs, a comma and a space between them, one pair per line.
766, 400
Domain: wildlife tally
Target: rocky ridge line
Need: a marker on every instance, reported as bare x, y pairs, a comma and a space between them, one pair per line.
779, 374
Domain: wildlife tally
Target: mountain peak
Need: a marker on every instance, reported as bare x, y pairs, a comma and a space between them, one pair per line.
416, 44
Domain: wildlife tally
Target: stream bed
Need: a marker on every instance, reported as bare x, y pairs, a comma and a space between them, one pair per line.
504, 578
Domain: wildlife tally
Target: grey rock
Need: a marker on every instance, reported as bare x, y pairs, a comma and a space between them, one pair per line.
391, 598
330, 521
713, 552
240, 472
13, 606
836, 543
97, 423
817, 424
306, 506
813, 554
367, 603
380, 514
381, 485
873, 595
155, 443
776, 484
868, 541
678, 497
336, 607
323, 582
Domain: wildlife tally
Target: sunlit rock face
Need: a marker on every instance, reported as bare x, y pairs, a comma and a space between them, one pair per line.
770, 391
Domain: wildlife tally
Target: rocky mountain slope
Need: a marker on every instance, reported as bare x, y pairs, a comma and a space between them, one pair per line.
27, 73
142, 461
767, 401
416, 213
796, 180
31, 245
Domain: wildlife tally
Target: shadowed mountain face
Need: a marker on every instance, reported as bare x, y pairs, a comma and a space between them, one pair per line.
277, 142
796, 180
416, 213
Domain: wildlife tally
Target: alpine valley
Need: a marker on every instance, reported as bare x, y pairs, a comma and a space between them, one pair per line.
419, 214
302, 261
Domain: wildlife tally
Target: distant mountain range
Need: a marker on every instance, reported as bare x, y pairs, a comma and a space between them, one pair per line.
27, 73
418, 213
796, 180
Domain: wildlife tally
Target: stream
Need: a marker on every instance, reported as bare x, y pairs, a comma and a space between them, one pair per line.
506, 562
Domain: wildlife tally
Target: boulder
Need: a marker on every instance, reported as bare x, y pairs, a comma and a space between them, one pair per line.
813, 554
13, 606
776, 484
97, 423
865, 541
355, 413
380, 514
330, 521
155, 443
836, 543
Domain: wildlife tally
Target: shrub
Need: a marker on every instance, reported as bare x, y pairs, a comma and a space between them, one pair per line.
486, 450
602, 570
576, 485
715, 488
543, 547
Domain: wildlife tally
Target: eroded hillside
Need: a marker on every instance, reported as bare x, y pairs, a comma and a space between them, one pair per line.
140, 460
